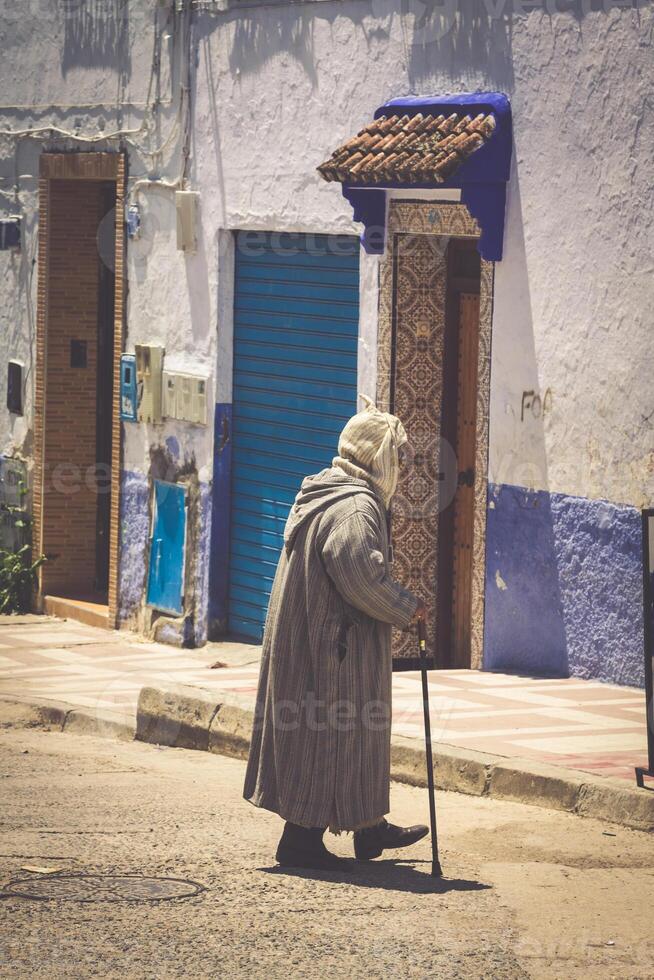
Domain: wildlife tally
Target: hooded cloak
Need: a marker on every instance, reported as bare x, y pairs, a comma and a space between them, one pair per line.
320, 750
368, 449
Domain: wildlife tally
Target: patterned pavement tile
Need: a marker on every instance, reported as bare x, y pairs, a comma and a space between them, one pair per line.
584, 725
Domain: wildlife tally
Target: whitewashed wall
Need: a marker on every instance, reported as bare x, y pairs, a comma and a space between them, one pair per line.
279, 88
66, 66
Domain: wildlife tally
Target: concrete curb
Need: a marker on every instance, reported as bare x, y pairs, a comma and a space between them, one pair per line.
192, 718
58, 716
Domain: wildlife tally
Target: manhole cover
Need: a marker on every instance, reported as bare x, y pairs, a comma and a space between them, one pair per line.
103, 888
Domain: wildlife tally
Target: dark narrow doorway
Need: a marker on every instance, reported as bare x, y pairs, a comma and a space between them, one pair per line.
104, 384
459, 427
78, 390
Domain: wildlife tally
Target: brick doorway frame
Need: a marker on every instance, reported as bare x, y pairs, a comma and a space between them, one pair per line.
448, 221
79, 166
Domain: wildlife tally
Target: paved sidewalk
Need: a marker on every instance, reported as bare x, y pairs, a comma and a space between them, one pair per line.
575, 724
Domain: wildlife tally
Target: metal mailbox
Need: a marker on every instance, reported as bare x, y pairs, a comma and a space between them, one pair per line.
128, 389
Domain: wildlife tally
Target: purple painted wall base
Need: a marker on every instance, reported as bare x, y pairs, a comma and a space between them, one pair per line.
563, 586
134, 552
134, 536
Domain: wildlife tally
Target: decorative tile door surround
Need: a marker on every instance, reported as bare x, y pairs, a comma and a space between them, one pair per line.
409, 383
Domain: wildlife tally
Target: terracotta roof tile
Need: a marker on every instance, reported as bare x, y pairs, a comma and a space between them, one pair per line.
412, 149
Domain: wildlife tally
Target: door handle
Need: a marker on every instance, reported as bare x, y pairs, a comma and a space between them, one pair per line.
466, 478
157, 560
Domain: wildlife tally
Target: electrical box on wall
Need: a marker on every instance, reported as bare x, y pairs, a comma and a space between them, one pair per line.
133, 221
185, 397
169, 395
149, 368
10, 232
128, 388
15, 387
186, 204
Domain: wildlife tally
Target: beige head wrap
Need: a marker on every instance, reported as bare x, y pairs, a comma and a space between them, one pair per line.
367, 448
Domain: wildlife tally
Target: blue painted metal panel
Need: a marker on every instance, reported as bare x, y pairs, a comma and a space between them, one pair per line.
128, 392
296, 317
167, 547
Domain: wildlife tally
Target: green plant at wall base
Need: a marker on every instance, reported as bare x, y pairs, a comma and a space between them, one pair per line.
17, 579
17, 569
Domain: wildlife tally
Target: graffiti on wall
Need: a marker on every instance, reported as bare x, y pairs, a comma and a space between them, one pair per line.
535, 405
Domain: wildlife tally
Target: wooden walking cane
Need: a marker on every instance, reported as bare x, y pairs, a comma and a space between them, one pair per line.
436, 870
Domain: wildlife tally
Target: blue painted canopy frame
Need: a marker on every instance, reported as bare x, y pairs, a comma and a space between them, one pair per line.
482, 177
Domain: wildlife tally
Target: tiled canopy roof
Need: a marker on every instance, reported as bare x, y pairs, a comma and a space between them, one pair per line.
411, 149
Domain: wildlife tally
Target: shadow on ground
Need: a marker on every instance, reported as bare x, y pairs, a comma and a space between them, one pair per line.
391, 875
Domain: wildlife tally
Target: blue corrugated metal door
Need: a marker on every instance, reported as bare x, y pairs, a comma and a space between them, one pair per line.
296, 314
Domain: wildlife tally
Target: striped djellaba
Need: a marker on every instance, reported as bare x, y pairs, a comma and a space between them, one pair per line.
320, 753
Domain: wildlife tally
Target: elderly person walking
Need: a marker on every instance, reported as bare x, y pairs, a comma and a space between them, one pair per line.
320, 753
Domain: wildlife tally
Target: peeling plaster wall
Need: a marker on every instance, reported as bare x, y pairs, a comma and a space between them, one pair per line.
279, 88
173, 302
62, 66
166, 463
135, 533
88, 71
563, 586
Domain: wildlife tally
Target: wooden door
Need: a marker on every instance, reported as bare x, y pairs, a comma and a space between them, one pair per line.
459, 425
464, 498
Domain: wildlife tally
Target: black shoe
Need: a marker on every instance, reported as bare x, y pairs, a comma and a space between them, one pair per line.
370, 843
302, 847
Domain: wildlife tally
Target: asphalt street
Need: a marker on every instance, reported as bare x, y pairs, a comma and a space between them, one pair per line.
529, 892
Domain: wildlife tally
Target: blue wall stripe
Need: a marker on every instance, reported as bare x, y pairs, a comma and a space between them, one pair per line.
311, 310
221, 505
289, 289
335, 277
309, 338
302, 323
280, 371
